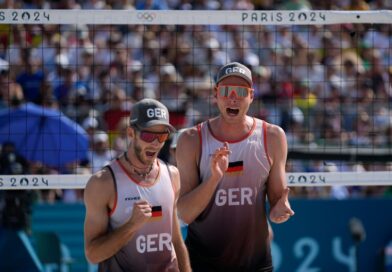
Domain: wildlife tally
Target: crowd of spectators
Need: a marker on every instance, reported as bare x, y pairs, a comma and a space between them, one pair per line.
324, 85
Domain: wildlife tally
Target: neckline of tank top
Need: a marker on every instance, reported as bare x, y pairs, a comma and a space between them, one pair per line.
232, 141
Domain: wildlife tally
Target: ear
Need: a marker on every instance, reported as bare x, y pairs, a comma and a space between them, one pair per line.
216, 91
131, 133
252, 94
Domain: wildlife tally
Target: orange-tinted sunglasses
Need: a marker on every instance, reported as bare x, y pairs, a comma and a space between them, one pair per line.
239, 91
149, 137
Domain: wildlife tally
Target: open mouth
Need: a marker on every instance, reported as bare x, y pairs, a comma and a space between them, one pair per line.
150, 154
232, 112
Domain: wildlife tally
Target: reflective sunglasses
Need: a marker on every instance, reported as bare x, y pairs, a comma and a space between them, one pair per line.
239, 91
149, 137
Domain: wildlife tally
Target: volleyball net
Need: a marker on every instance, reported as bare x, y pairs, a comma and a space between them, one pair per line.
323, 76
308, 179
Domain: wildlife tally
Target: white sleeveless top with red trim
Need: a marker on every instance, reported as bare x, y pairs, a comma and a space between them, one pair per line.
151, 248
232, 231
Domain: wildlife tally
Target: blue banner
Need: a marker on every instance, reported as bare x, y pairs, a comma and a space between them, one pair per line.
318, 237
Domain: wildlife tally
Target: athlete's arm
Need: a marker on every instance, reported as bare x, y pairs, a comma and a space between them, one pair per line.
99, 198
178, 242
277, 189
195, 195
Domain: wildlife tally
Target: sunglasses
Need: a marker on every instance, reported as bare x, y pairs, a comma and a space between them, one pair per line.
149, 137
239, 91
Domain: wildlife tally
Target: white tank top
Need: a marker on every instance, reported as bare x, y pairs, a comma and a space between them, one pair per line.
235, 219
151, 248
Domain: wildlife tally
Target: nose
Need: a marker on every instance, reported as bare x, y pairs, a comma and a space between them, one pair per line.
233, 95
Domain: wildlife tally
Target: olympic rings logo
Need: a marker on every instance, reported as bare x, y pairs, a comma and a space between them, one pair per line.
146, 16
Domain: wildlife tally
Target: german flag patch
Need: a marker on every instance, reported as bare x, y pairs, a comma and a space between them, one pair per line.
156, 212
235, 168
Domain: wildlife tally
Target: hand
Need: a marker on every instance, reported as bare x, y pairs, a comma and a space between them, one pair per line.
281, 211
141, 214
220, 161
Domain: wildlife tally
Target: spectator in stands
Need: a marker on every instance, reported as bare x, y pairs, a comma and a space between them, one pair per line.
173, 146
100, 154
358, 5
15, 212
120, 137
171, 92
11, 93
50, 196
31, 78
75, 195
151, 4
118, 107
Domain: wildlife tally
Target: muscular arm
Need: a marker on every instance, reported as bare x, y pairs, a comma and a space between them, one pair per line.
99, 244
277, 189
195, 196
178, 242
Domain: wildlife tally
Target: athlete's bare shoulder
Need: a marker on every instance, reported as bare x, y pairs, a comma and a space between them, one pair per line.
191, 132
173, 169
188, 150
276, 143
101, 177
275, 131
188, 139
175, 177
101, 185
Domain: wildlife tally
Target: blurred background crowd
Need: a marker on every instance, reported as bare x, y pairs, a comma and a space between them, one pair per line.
324, 85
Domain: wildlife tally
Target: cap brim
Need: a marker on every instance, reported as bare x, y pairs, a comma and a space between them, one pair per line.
237, 75
158, 122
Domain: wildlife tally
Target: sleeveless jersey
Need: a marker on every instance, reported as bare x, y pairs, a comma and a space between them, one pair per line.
232, 232
151, 247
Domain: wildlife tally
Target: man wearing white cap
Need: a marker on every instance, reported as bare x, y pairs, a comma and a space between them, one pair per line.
100, 155
229, 165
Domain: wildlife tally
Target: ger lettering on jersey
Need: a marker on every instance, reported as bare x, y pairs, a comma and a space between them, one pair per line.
151, 248
238, 204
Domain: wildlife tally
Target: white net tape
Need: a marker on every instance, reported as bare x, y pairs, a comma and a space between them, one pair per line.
192, 17
312, 179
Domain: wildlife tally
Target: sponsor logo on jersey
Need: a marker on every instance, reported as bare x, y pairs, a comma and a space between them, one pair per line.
132, 198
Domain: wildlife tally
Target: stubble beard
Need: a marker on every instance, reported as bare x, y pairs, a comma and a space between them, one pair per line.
139, 154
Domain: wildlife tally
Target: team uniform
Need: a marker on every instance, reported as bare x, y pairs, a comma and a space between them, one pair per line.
151, 248
231, 234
